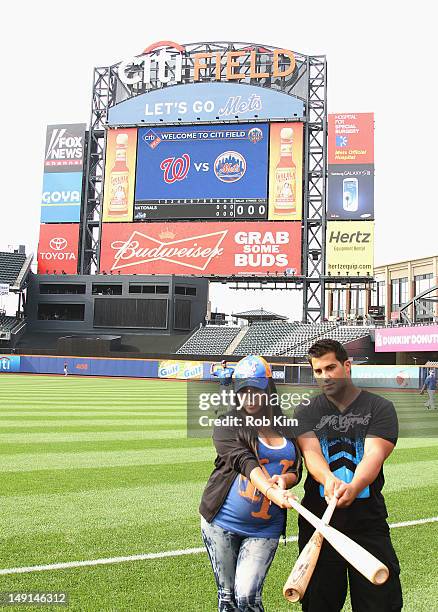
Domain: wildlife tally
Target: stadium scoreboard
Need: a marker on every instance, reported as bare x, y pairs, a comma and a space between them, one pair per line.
201, 209
250, 171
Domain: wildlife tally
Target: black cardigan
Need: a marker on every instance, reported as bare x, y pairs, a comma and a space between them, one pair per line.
236, 449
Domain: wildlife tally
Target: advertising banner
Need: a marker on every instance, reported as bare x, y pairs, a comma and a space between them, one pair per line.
206, 102
201, 164
61, 198
404, 339
65, 147
90, 366
118, 195
222, 248
350, 248
351, 138
62, 180
183, 370
390, 377
58, 248
286, 171
9, 363
350, 192
4, 289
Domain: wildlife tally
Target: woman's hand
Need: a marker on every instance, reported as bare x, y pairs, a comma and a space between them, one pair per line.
284, 481
278, 480
279, 497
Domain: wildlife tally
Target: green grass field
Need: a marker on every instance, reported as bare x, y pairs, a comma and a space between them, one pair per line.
101, 468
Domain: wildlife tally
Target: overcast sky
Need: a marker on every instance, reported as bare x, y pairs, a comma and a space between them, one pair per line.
381, 58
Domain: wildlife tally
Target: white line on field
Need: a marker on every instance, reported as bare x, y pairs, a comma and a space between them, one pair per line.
159, 555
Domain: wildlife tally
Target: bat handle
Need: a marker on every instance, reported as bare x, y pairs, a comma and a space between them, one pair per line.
329, 510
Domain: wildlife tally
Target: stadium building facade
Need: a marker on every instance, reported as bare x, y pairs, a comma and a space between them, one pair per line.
403, 292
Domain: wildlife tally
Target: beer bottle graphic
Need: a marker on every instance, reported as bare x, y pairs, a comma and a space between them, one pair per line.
285, 176
119, 179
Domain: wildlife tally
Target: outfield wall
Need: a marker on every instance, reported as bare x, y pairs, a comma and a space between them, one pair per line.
390, 376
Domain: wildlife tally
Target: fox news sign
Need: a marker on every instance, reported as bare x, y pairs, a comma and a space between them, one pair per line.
64, 148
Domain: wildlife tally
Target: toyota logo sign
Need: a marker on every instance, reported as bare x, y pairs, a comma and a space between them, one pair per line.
58, 244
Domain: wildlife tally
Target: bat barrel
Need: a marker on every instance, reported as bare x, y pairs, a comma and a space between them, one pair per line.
381, 575
292, 595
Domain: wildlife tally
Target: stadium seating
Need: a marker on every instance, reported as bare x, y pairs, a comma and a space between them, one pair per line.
341, 333
8, 323
269, 338
260, 337
209, 340
11, 265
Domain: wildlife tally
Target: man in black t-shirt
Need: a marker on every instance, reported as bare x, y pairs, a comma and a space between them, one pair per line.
345, 435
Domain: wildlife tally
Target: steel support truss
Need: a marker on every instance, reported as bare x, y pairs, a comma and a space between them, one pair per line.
315, 173
420, 303
308, 83
94, 173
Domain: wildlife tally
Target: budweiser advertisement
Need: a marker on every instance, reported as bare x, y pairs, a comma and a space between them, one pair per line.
220, 249
58, 248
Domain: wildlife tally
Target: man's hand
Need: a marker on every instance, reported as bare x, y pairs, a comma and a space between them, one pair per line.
346, 494
330, 484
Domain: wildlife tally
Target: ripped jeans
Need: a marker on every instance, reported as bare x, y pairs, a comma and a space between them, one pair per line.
240, 565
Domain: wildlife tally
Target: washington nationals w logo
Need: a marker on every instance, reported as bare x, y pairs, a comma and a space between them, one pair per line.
175, 168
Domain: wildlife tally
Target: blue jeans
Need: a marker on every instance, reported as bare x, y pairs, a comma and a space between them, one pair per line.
240, 565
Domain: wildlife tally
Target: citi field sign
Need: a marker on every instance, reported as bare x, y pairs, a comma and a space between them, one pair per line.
169, 82
165, 60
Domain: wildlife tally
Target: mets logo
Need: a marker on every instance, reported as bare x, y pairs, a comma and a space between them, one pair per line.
230, 166
255, 135
175, 168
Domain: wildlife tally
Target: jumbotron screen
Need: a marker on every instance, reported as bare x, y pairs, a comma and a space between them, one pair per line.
202, 172
222, 173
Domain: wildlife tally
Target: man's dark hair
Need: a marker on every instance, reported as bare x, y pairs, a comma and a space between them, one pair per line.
322, 347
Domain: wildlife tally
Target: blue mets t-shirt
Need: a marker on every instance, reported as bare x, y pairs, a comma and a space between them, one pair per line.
225, 375
248, 512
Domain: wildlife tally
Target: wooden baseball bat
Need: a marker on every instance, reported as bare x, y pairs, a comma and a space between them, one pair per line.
298, 580
365, 563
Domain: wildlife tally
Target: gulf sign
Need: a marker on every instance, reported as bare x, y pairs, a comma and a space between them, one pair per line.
220, 249
58, 248
182, 370
403, 339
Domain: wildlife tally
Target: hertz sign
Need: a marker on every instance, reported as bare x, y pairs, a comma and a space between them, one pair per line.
350, 248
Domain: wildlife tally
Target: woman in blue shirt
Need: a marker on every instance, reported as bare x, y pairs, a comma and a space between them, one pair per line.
243, 508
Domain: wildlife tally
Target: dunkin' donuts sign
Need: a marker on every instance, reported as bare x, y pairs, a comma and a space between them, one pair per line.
221, 249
